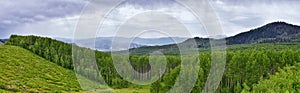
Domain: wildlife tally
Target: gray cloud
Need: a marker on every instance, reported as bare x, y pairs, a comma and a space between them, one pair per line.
14, 13
242, 15
58, 18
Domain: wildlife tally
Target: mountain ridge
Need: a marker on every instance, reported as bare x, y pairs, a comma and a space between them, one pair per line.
280, 31
275, 32
105, 43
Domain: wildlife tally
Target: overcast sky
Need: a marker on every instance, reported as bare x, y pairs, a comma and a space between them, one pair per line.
58, 18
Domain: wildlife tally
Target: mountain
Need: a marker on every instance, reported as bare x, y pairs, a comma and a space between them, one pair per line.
276, 32
271, 33
121, 43
3, 40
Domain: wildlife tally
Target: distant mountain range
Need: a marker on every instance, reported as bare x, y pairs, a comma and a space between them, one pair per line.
121, 43
276, 32
3, 40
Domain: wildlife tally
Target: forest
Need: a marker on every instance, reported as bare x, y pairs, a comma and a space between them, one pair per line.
253, 69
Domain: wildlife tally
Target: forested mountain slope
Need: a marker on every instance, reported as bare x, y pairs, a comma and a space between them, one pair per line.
271, 33
276, 32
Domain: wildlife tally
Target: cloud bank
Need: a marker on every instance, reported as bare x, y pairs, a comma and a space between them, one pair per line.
58, 18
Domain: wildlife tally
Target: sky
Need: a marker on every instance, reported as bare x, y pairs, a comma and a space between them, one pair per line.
59, 18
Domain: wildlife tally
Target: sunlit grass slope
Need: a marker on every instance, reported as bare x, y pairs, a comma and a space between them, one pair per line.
20, 70
23, 71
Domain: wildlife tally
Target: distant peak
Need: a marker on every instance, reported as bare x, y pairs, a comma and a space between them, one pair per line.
279, 23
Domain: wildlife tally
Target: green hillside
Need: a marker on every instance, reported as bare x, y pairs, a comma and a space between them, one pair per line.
60, 53
23, 71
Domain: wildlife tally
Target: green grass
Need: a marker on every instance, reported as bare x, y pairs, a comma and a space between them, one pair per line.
23, 71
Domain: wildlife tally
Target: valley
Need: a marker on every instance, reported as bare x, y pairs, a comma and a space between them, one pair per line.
41, 64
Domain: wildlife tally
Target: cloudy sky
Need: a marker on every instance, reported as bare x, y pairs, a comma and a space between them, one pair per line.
58, 18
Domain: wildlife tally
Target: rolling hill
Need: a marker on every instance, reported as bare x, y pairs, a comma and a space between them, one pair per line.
23, 71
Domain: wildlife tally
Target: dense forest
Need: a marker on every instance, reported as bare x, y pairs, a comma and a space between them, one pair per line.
245, 71
286, 80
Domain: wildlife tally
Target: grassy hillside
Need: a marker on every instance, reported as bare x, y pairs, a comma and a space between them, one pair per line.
23, 71
60, 54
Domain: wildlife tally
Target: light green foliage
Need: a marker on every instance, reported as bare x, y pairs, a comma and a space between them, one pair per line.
286, 80
243, 69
